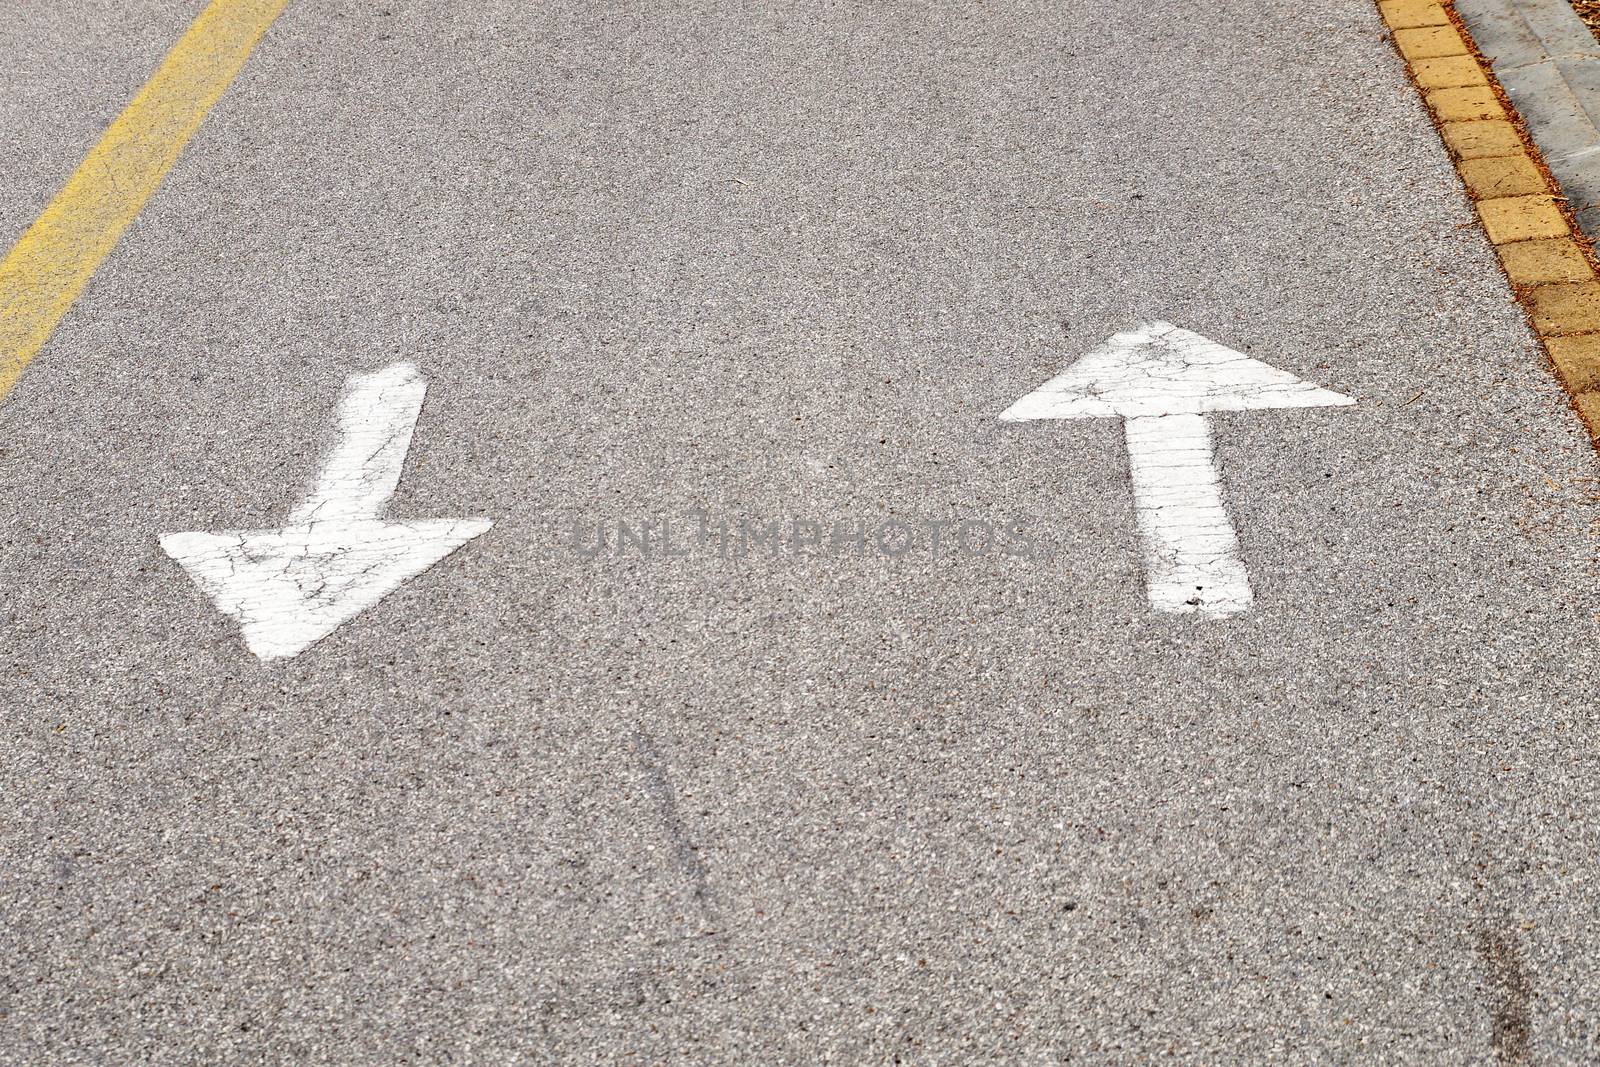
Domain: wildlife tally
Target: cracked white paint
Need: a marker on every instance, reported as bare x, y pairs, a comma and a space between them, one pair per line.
1162, 381
338, 556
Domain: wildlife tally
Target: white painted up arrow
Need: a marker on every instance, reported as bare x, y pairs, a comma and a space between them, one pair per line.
337, 557
1163, 381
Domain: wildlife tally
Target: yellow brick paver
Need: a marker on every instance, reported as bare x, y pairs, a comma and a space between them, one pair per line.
1464, 105
1448, 72
1430, 42
1565, 309
1473, 140
1588, 405
1577, 361
1499, 176
1545, 262
1406, 14
1522, 218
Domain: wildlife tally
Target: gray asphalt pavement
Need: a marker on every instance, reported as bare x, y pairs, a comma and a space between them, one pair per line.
549, 805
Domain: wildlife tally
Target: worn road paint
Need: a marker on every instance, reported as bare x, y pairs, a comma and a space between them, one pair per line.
1191, 552
44, 273
1163, 381
337, 557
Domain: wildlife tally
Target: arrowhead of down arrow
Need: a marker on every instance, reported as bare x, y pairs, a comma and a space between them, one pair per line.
1159, 369
290, 588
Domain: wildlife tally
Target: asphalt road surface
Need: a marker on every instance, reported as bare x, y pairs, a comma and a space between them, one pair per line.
813, 798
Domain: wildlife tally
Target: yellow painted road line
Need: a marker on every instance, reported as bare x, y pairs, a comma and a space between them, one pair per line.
45, 272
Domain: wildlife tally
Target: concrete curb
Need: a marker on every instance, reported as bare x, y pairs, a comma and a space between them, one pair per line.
1548, 63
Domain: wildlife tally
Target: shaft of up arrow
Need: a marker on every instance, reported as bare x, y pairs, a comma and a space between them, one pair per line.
1190, 549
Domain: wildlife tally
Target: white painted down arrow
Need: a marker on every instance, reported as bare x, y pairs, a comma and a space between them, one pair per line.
337, 556
1163, 381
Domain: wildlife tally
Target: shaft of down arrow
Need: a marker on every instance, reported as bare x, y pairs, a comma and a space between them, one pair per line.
376, 417
1191, 552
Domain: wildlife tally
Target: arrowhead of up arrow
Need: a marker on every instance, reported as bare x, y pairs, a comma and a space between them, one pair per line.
290, 588
1159, 369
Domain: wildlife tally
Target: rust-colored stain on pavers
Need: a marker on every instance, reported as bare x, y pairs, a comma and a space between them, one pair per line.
1549, 262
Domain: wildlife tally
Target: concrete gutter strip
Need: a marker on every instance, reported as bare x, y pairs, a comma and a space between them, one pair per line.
1549, 64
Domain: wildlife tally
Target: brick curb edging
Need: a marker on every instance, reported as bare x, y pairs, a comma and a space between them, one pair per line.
1548, 261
